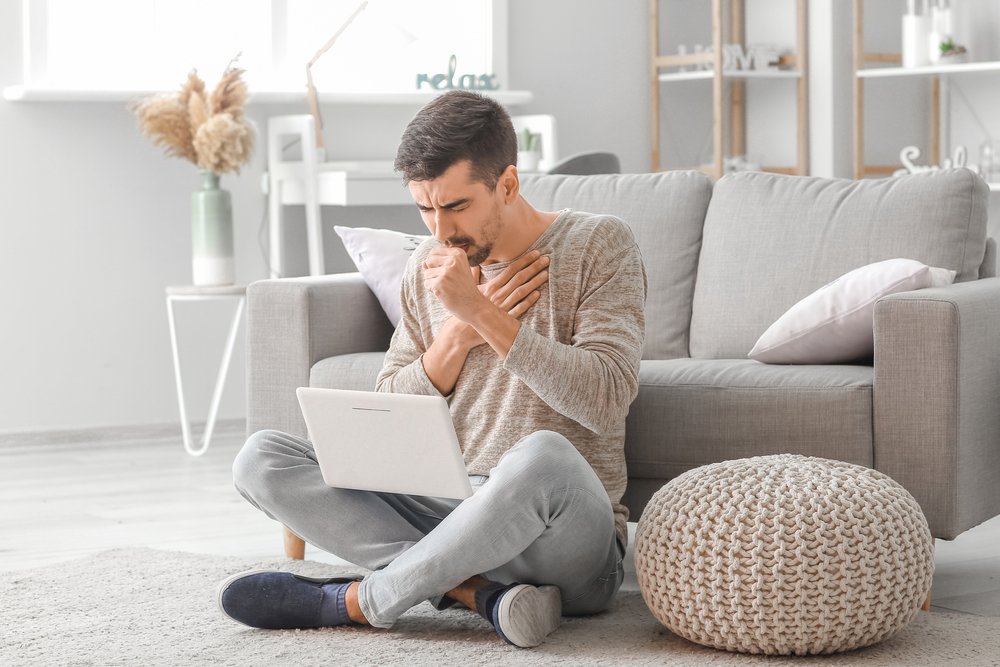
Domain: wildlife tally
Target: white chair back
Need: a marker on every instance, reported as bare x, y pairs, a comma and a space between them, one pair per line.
304, 171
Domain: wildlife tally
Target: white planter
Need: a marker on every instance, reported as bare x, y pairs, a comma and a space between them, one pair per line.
527, 162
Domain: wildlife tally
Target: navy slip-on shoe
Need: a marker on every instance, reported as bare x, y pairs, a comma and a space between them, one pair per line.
275, 600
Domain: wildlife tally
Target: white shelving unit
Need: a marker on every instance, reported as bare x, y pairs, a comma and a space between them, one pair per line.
890, 66
796, 65
957, 68
733, 74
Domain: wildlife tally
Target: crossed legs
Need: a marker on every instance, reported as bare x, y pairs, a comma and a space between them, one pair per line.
542, 518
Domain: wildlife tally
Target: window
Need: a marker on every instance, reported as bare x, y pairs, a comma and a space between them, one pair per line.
151, 44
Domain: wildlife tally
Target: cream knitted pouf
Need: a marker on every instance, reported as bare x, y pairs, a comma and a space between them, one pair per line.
784, 555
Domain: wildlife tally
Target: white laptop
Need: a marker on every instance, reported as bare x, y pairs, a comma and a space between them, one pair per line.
396, 443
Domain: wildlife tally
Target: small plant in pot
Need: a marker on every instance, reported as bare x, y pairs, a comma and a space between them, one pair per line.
529, 150
211, 131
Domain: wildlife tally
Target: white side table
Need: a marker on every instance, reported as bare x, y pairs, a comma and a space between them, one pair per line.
193, 293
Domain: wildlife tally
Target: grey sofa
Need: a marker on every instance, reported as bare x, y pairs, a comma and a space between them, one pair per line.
723, 263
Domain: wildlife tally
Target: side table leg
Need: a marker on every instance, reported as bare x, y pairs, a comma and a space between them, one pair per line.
185, 426
220, 381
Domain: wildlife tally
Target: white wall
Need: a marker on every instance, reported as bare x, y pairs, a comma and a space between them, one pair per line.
94, 223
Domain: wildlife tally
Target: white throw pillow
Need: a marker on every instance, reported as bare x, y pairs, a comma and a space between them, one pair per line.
835, 323
381, 256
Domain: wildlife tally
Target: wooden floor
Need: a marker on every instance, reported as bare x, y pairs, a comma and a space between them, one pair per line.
68, 495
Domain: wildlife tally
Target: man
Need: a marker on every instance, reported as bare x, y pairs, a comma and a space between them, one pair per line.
531, 325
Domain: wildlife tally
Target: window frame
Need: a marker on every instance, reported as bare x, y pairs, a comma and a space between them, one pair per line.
35, 62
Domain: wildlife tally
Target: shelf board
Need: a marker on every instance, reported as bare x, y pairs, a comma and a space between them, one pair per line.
958, 68
994, 186
733, 74
416, 97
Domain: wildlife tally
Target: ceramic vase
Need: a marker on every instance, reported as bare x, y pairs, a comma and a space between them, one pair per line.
212, 233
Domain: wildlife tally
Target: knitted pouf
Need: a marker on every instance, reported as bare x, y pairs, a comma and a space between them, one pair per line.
784, 555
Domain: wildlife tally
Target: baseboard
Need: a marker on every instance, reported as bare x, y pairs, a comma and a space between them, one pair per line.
117, 434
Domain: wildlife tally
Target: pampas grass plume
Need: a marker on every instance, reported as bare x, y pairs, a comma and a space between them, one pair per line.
197, 111
164, 120
223, 143
210, 131
231, 92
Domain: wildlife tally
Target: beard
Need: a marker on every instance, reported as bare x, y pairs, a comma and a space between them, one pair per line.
480, 252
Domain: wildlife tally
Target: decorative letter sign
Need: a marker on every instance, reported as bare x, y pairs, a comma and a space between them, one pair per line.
465, 82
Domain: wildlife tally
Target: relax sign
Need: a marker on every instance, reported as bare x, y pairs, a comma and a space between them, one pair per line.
465, 82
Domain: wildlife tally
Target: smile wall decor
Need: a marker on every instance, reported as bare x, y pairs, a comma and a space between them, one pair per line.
960, 158
465, 82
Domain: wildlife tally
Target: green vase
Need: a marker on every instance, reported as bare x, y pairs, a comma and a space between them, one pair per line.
212, 233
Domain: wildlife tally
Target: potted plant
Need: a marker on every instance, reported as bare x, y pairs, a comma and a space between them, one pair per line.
529, 150
211, 131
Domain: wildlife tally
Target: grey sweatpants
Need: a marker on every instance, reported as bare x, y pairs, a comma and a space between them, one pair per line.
541, 517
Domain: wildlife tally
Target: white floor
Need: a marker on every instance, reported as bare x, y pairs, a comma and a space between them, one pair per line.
65, 497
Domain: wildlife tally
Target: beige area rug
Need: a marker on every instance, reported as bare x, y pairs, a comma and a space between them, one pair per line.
152, 607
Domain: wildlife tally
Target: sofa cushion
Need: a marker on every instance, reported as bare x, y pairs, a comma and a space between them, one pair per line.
770, 240
666, 212
381, 256
356, 372
691, 412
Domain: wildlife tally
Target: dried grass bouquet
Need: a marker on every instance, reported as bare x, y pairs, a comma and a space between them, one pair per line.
210, 131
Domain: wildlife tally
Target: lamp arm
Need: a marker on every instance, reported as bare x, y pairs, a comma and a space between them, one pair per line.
314, 109
326, 47
313, 100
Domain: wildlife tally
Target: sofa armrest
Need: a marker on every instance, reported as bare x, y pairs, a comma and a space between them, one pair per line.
291, 324
937, 400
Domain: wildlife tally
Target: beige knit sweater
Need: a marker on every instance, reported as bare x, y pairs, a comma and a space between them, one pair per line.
574, 365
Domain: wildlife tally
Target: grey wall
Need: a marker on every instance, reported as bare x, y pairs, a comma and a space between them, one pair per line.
587, 63
94, 223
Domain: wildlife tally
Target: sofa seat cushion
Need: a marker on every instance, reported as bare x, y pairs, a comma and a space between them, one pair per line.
356, 372
691, 412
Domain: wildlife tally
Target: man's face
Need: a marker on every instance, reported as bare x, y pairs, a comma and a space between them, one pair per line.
460, 212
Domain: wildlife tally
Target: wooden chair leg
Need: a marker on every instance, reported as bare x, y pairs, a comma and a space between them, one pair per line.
294, 547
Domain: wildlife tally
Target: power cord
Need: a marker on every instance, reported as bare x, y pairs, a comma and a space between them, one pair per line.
265, 249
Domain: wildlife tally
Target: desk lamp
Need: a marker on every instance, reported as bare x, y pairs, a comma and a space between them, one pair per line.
405, 36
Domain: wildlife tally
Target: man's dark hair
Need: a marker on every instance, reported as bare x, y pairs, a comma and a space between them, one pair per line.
459, 125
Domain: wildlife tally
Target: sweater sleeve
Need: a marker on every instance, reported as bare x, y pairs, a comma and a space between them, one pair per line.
403, 369
595, 378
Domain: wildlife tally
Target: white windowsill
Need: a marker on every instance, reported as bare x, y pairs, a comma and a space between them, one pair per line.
419, 98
